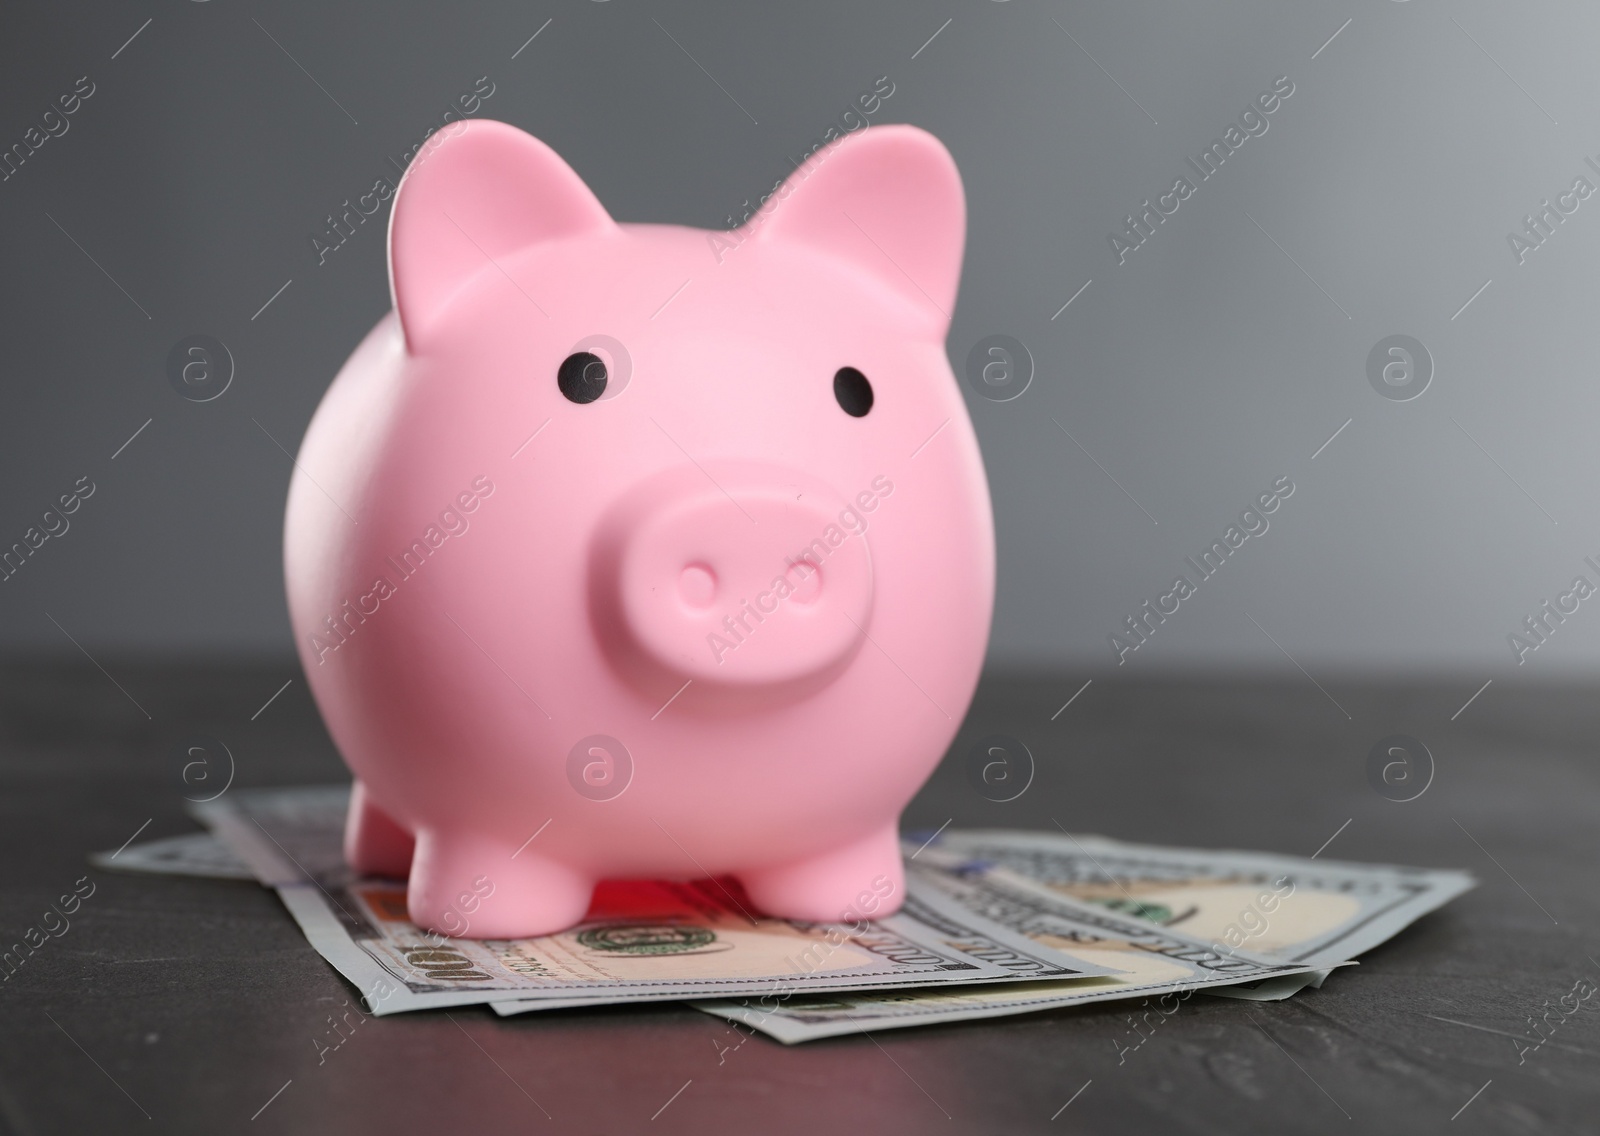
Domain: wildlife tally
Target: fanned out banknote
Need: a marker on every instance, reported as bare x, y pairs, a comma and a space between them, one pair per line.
1326, 911
1319, 912
1152, 962
191, 854
641, 941
1013, 923
995, 923
1309, 914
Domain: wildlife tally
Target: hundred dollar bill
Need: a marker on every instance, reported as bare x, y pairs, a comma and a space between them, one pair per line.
639, 941
1151, 962
927, 916
192, 854
1318, 912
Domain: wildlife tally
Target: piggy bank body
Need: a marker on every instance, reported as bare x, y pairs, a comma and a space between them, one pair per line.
627, 551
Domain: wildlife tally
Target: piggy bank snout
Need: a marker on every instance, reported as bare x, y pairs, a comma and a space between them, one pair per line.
737, 580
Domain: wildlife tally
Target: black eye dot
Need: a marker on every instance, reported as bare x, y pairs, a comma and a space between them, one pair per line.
582, 377
853, 391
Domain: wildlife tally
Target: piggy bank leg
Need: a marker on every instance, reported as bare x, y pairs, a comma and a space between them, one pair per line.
374, 845
472, 887
861, 880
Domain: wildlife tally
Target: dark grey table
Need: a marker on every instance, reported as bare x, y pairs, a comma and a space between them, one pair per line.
193, 1002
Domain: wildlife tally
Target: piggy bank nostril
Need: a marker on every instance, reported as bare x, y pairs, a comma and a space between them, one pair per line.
697, 584
806, 580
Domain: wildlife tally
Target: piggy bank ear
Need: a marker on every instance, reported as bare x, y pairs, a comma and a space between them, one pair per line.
888, 200
475, 193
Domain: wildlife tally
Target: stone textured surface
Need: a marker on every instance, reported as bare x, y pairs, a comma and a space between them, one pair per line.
195, 1001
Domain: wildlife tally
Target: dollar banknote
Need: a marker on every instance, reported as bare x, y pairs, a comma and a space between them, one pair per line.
930, 917
1322, 913
641, 940
994, 923
1305, 911
1152, 964
191, 854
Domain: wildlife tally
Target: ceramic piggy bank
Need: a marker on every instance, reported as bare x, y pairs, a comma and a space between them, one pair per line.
627, 551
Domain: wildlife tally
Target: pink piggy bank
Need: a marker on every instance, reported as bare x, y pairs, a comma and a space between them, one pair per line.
639, 551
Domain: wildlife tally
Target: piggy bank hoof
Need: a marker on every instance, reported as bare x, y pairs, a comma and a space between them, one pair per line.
865, 880
374, 844
474, 889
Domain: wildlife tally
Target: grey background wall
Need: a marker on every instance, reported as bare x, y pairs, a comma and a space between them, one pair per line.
1216, 359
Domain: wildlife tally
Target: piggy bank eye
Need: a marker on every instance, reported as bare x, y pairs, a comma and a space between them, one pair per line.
853, 391
582, 377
